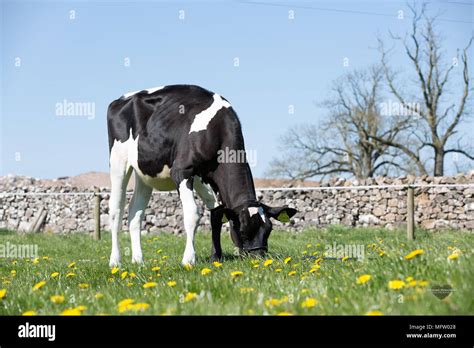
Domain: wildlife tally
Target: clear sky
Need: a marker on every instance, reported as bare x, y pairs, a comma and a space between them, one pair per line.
94, 51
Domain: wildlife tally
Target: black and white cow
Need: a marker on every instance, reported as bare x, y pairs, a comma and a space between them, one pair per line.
170, 137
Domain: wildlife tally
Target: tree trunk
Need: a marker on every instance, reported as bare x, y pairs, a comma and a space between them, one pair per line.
439, 162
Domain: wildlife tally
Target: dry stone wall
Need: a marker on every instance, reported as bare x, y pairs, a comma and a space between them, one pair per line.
436, 207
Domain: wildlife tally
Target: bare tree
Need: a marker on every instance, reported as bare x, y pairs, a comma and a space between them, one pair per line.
438, 117
344, 142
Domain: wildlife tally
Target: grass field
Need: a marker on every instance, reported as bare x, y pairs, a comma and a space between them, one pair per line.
71, 276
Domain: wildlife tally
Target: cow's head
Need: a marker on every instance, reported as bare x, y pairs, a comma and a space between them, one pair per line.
251, 225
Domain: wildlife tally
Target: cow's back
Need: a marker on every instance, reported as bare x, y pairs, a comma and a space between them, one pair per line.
161, 126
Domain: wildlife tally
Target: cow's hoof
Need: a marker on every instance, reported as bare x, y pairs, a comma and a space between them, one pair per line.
216, 258
191, 260
137, 259
114, 261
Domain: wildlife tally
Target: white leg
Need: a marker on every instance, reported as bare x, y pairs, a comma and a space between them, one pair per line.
191, 218
119, 175
136, 211
205, 192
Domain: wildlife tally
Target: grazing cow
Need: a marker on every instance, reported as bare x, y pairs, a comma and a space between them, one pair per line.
170, 137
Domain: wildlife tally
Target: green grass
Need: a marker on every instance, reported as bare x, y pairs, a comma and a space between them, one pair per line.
333, 285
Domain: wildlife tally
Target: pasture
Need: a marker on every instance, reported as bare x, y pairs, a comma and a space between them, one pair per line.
70, 275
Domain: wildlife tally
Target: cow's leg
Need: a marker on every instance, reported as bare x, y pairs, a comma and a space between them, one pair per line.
120, 173
191, 218
209, 198
136, 211
216, 227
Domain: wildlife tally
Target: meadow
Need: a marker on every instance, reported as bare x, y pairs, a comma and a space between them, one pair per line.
71, 276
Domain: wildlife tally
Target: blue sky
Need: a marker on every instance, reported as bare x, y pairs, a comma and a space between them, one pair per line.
282, 62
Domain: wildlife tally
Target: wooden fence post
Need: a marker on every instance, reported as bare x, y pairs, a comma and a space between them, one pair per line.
97, 214
411, 213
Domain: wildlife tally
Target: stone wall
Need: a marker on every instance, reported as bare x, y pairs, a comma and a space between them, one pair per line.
436, 207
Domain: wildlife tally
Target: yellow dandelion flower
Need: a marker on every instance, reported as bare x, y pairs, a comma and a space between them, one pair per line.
57, 299
132, 275
129, 284
278, 270
453, 256
345, 258
284, 314
412, 283
364, 278
409, 279
6, 282
272, 302
217, 264
54, 274
190, 296
164, 257
396, 284
374, 313
156, 268
13, 272
29, 313
71, 312
126, 302
124, 274
36, 261
287, 260
149, 285
99, 295
3, 293
159, 251
83, 286
71, 265
291, 273
39, 285
205, 271
256, 265
309, 302
423, 283
45, 257
114, 270
138, 307
414, 253
70, 275
267, 263
129, 304
14, 262
246, 290
236, 274
188, 266
171, 283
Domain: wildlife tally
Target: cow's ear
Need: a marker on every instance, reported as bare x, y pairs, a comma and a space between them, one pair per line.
222, 214
282, 214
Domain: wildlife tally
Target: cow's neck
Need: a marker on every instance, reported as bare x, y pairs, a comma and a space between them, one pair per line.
235, 184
